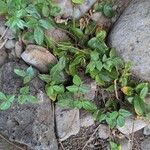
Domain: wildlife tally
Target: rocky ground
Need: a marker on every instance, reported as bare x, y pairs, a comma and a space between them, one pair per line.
39, 127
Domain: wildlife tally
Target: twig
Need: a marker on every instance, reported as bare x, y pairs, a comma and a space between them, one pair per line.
90, 137
2, 45
115, 86
61, 145
4, 33
1, 136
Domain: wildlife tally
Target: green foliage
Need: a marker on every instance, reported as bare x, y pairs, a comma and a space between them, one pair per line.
115, 146
26, 75
136, 96
55, 79
106, 8
25, 96
78, 1
36, 16
6, 101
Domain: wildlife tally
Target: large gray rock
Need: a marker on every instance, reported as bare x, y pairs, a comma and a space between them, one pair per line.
28, 124
76, 11
131, 37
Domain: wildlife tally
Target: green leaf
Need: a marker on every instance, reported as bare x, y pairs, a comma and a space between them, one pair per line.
30, 71
99, 65
90, 67
65, 102
20, 72
26, 80
32, 99
113, 115
77, 104
77, 32
139, 106
22, 99
38, 35
87, 105
2, 96
144, 92
108, 11
11, 98
77, 80
94, 55
140, 86
21, 24
3, 7
45, 11
120, 121
114, 146
24, 90
84, 89
72, 88
55, 10
45, 24
59, 88
5, 105
101, 35
45, 77
78, 1
124, 113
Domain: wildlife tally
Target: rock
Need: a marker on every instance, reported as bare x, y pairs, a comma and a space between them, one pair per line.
57, 35
2, 29
86, 119
67, 122
103, 131
10, 44
38, 57
132, 125
131, 37
105, 22
3, 56
30, 124
146, 130
145, 145
18, 49
92, 86
9, 35
74, 11
125, 144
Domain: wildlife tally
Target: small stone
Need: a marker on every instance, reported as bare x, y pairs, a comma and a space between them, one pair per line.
125, 144
86, 119
9, 35
132, 125
145, 145
57, 35
68, 9
38, 57
3, 56
146, 130
103, 131
2, 29
92, 85
67, 122
10, 44
18, 49
12, 54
